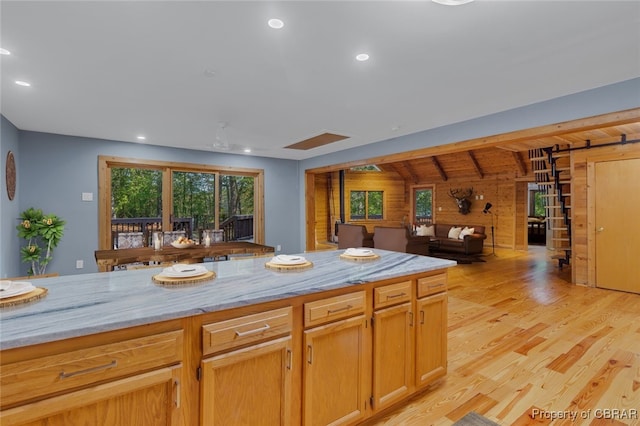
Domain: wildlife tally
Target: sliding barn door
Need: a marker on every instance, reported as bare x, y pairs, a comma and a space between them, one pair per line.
617, 203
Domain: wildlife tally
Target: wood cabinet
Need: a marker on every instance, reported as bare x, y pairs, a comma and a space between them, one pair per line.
392, 344
431, 330
335, 376
409, 343
250, 385
97, 385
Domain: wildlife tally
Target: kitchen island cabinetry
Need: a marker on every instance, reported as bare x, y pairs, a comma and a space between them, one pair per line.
335, 377
431, 329
393, 344
95, 385
251, 385
334, 344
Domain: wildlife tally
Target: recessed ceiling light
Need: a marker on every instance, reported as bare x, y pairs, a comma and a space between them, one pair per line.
23, 83
452, 2
275, 23
247, 150
4, 52
141, 138
362, 57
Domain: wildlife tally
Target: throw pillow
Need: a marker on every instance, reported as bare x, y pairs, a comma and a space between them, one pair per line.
454, 232
430, 231
466, 231
420, 230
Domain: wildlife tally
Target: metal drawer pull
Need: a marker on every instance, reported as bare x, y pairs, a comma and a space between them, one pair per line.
410, 319
289, 359
421, 317
435, 285
309, 354
393, 296
64, 375
257, 330
344, 308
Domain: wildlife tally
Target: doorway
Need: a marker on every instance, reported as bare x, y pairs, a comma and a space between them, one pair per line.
617, 240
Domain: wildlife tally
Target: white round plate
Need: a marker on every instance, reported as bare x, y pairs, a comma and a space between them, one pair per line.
359, 252
184, 271
285, 259
14, 288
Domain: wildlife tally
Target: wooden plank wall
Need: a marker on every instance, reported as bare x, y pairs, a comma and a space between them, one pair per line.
498, 190
322, 224
327, 199
503, 191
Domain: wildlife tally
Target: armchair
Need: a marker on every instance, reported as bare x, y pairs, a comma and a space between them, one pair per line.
353, 236
400, 239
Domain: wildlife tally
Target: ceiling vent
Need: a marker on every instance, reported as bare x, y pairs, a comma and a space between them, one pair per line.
316, 141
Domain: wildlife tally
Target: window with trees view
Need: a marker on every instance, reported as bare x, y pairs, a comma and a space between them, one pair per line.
423, 205
537, 203
366, 205
149, 196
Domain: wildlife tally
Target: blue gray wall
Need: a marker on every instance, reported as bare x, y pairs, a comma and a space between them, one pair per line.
54, 171
9, 210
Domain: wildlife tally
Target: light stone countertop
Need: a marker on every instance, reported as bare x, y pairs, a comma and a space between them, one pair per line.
78, 305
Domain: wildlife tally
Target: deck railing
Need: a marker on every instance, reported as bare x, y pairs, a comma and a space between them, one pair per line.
237, 227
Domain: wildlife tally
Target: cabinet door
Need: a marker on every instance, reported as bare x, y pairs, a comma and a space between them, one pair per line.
334, 372
250, 386
149, 399
431, 338
392, 355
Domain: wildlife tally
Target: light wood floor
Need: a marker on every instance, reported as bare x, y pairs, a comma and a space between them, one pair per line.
522, 338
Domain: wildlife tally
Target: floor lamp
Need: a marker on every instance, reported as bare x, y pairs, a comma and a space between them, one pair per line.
487, 210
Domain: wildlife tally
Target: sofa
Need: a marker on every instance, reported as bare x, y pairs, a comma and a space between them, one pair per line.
469, 239
400, 239
353, 236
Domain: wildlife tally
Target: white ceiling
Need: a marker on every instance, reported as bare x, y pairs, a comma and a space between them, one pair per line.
174, 70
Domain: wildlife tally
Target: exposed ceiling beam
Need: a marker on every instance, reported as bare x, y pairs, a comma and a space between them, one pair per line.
438, 167
409, 168
476, 166
520, 163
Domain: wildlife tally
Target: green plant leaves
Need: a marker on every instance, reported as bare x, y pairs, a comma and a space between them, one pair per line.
43, 233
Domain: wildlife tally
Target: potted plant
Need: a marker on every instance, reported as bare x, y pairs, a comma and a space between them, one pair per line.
43, 233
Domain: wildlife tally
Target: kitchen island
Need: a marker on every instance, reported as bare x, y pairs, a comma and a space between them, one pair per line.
306, 347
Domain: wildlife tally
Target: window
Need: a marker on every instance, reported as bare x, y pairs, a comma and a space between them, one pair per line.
537, 203
366, 205
144, 196
422, 205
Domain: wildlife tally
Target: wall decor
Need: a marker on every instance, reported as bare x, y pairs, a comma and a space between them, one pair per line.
462, 197
10, 175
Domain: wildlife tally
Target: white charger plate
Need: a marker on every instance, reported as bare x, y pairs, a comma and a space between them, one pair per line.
184, 271
14, 288
359, 252
285, 259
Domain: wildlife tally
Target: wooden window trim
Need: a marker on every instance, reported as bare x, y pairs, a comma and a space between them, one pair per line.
412, 201
105, 163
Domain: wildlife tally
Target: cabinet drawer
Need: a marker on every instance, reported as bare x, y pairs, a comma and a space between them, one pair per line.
241, 331
333, 308
51, 374
431, 285
391, 294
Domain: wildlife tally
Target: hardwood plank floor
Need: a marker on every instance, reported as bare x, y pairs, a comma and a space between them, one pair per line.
525, 344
